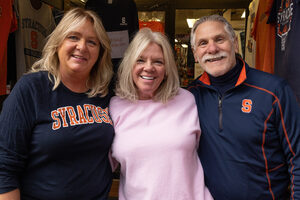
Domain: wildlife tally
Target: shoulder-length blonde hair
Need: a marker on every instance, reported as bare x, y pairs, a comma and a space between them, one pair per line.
101, 73
125, 87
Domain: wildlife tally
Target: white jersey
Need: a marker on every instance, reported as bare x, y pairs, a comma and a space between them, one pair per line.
250, 42
33, 28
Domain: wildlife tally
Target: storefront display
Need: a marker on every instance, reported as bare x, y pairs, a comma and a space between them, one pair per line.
154, 20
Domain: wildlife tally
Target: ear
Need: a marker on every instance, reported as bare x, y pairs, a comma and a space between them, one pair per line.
236, 44
195, 55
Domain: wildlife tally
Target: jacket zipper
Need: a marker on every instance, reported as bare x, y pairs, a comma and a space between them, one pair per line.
220, 114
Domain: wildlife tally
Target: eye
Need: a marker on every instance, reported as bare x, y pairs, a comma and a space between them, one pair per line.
73, 37
92, 43
158, 62
202, 43
219, 39
140, 61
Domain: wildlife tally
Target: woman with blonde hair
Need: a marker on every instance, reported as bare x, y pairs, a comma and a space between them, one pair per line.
156, 126
55, 131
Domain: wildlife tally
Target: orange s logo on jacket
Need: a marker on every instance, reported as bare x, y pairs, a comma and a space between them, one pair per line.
246, 105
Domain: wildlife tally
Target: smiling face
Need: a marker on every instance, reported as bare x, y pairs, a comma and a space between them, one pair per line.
79, 52
214, 49
149, 71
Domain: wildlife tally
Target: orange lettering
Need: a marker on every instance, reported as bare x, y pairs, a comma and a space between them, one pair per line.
55, 125
86, 108
72, 116
34, 39
82, 119
104, 115
95, 114
246, 105
62, 113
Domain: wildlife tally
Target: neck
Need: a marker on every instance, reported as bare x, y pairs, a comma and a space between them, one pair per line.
228, 80
78, 85
145, 96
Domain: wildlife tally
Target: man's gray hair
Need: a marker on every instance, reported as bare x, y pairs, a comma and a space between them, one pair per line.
216, 18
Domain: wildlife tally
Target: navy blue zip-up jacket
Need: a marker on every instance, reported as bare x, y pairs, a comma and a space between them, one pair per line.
250, 142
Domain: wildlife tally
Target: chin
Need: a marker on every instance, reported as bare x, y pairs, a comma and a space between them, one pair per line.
217, 72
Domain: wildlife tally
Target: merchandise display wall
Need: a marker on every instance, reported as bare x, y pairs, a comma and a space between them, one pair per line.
163, 17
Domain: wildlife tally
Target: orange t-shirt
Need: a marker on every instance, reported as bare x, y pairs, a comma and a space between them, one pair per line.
8, 24
264, 35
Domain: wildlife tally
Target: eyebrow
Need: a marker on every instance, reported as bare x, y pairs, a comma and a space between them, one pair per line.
78, 33
215, 36
142, 57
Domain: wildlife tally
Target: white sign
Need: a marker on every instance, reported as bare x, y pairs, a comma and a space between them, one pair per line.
119, 43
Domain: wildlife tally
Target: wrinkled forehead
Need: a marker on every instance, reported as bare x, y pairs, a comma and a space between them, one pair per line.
210, 29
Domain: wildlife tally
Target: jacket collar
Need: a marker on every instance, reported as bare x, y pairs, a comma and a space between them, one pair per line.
204, 78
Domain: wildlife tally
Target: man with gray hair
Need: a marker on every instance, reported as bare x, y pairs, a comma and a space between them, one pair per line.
250, 121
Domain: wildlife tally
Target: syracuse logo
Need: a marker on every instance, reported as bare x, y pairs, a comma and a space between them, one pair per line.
86, 114
123, 22
246, 105
284, 21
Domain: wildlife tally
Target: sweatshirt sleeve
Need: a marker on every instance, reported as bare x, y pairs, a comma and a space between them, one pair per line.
288, 122
16, 123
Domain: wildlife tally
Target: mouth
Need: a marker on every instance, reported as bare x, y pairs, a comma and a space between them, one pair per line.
79, 57
215, 59
147, 77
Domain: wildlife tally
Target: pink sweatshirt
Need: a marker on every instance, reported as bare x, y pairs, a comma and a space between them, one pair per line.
156, 145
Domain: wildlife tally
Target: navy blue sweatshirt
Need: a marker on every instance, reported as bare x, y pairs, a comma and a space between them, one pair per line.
249, 146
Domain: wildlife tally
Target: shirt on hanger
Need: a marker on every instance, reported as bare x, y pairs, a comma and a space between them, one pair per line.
35, 26
8, 24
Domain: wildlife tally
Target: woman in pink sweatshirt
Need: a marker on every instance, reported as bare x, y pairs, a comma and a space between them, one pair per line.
156, 125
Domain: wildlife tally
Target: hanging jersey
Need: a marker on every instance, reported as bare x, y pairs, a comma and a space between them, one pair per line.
35, 26
264, 35
8, 24
250, 48
286, 14
120, 20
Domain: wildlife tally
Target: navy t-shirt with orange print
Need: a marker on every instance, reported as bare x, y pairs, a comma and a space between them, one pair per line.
286, 15
54, 144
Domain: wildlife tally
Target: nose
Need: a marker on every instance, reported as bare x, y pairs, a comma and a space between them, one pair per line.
81, 45
148, 67
212, 47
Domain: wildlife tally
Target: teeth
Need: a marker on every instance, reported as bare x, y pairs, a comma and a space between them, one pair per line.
147, 77
214, 59
78, 56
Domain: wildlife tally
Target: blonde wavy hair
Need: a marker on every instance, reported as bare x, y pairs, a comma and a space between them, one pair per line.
125, 87
101, 73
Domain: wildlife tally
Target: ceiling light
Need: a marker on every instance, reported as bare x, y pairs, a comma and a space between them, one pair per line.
243, 15
191, 22
176, 40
